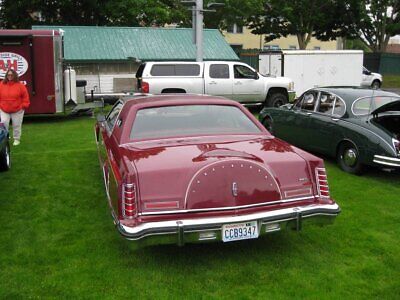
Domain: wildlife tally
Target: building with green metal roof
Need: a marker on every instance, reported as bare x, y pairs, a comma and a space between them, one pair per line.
108, 57
92, 43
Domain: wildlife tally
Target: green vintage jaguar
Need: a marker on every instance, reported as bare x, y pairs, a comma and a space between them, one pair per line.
358, 126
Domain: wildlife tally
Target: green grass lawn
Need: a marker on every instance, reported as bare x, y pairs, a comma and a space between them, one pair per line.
57, 238
391, 81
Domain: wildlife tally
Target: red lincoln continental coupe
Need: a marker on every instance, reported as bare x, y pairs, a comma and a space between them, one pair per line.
189, 168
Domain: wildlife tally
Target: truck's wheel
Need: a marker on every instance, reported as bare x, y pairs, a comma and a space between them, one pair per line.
348, 158
376, 84
276, 100
5, 158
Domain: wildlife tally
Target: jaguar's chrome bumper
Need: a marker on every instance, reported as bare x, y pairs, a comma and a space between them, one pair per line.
210, 229
387, 161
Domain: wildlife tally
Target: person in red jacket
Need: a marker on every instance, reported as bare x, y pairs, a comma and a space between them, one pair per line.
14, 99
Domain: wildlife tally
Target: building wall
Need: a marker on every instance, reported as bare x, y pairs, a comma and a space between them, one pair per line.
253, 41
393, 48
110, 83
107, 77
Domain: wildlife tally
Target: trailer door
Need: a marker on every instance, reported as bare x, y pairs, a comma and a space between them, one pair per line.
271, 63
33, 59
15, 53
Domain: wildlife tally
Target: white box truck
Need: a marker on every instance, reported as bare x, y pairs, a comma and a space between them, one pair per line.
313, 68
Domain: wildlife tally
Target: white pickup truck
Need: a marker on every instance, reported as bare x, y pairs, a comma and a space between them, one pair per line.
230, 79
371, 79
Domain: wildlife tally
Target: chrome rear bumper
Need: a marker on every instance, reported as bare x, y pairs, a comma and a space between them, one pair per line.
387, 161
210, 229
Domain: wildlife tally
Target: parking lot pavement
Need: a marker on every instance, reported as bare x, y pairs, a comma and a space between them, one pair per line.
393, 90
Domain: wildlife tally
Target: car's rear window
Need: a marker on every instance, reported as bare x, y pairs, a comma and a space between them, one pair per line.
366, 105
175, 70
188, 120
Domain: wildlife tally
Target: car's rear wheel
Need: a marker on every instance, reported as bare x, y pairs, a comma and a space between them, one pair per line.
348, 158
376, 84
276, 100
5, 158
268, 124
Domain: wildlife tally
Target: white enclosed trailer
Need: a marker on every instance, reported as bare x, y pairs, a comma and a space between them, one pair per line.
312, 68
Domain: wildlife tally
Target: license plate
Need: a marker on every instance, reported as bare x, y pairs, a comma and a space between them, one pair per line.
239, 231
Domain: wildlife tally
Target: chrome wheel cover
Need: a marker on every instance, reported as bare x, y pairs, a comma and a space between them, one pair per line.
350, 157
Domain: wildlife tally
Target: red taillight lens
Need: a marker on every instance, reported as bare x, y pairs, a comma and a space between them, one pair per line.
145, 87
322, 183
129, 200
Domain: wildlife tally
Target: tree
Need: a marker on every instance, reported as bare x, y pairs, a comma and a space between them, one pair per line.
25, 13
276, 18
372, 21
15, 14
340, 20
147, 12
232, 12
380, 21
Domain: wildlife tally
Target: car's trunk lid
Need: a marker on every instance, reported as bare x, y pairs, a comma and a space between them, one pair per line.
218, 175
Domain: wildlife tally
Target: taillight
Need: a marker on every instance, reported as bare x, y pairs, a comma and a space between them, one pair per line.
129, 200
322, 183
145, 87
396, 144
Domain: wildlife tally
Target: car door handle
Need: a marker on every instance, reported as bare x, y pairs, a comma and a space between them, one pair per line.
212, 82
335, 119
308, 114
238, 83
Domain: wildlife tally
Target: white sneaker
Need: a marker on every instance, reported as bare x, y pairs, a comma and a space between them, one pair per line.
16, 142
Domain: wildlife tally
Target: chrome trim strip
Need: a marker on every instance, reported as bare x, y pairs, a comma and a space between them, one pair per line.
387, 161
298, 192
106, 181
334, 106
110, 130
387, 158
168, 227
358, 99
252, 104
226, 208
228, 160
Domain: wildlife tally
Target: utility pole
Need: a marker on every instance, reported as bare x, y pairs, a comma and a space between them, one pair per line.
197, 23
199, 30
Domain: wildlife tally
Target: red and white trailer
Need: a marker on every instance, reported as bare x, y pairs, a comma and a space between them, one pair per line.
37, 56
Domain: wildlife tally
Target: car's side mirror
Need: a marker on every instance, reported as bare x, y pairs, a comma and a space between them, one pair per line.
255, 76
367, 73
